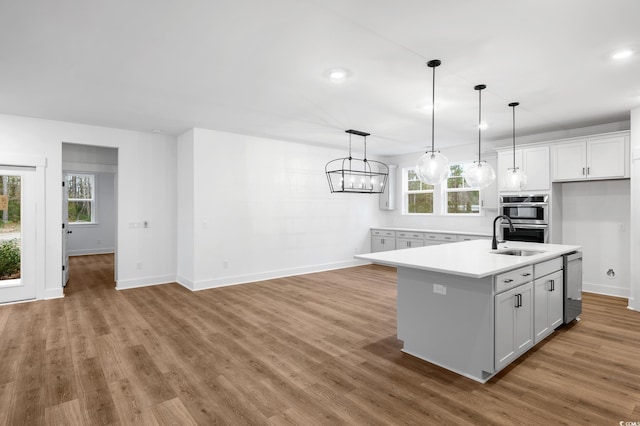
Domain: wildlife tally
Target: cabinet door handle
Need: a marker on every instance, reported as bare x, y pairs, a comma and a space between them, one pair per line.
518, 300
583, 171
588, 170
508, 281
553, 285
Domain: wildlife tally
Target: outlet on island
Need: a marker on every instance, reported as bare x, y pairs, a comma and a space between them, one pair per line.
440, 289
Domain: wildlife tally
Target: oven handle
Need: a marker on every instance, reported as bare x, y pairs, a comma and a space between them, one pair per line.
520, 225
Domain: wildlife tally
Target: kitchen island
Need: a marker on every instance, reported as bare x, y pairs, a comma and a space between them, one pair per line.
471, 309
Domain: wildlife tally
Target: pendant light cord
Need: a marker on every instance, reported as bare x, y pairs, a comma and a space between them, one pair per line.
433, 110
513, 106
479, 124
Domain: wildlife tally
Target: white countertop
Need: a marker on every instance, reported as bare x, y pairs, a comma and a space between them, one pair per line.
433, 231
467, 258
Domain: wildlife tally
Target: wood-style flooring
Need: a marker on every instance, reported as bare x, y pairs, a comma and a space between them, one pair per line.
305, 350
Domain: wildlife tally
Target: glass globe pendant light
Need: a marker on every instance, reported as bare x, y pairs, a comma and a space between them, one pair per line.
480, 175
433, 167
514, 179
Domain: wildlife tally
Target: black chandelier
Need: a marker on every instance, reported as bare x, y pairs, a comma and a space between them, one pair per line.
357, 175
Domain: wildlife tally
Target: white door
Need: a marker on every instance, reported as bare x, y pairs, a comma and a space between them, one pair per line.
17, 234
65, 231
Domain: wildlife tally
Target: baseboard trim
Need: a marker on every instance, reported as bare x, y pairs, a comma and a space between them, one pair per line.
53, 293
270, 275
144, 282
184, 282
605, 290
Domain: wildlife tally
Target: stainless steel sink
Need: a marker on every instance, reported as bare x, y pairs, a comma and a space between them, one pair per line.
517, 252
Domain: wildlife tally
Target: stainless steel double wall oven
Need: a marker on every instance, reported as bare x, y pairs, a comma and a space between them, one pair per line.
530, 217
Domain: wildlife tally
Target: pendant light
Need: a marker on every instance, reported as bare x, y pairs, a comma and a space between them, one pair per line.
357, 175
514, 179
480, 175
432, 167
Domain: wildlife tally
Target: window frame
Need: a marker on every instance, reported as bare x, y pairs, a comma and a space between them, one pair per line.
440, 195
446, 191
92, 200
406, 192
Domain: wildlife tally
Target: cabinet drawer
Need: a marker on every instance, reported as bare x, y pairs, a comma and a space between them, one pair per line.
414, 235
444, 238
545, 268
514, 278
383, 233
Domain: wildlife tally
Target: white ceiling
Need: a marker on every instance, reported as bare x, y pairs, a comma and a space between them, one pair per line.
259, 67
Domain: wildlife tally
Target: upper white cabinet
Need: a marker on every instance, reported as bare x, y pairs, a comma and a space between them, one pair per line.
388, 197
533, 161
604, 157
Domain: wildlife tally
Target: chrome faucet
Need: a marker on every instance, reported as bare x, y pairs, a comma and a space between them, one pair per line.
494, 242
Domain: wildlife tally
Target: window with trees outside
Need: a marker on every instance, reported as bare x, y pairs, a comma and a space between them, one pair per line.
453, 197
460, 198
81, 190
419, 195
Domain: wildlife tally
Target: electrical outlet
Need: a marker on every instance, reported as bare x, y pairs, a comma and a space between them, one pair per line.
440, 289
139, 265
225, 265
145, 224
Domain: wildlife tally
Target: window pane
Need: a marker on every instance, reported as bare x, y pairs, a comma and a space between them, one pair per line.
456, 170
79, 211
456, 182
426, 186
10, 227
463, 202
414, 185
420, 203
80, 186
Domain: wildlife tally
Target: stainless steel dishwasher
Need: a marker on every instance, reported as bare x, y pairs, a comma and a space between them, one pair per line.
572, 263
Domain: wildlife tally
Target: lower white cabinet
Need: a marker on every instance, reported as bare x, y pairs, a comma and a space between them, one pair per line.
513, 324
382, 240
382, 243
409, 239
548, 304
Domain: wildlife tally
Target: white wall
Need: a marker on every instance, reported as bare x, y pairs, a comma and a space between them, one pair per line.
634, 297
596, 216
262, 209
146, 191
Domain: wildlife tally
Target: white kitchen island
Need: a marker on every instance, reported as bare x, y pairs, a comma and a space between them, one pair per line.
465, 308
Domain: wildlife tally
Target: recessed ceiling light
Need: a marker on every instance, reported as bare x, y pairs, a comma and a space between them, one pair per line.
157, 131
337, 75
622, 54
483, 125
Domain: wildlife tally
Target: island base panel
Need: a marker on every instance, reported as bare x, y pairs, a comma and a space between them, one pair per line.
453, 330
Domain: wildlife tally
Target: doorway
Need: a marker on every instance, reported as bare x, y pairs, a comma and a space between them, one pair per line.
17, 234
89, 205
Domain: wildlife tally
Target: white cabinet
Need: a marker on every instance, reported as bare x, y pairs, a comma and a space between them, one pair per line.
382, 240
388, 197
593, 158
533, 161
548, 304
409, 239
513, 324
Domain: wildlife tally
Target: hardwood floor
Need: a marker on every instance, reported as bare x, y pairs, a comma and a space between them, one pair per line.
305, 350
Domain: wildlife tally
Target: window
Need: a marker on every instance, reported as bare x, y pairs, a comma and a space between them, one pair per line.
460, 198
453, 197
419, 195
81, 190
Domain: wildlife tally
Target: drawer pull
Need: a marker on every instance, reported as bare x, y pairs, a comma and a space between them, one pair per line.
526, 274
508, 281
